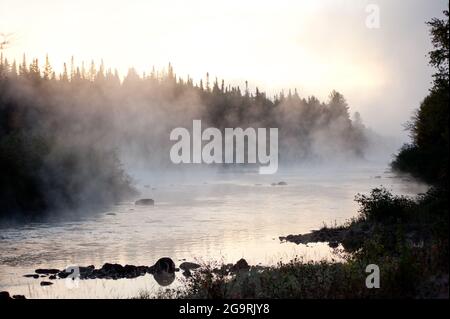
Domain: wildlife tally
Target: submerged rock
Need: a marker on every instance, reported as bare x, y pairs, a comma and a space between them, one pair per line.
189, 265
46, 283
45, 271
279, 184
145, 202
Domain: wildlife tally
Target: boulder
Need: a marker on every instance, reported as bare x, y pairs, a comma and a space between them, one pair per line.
163, 264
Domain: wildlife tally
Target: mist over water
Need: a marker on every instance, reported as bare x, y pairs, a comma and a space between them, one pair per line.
93, 145
206, 215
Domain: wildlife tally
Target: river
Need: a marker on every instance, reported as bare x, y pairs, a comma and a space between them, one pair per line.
219, 216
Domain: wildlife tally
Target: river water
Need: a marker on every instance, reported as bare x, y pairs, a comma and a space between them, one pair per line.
220, 216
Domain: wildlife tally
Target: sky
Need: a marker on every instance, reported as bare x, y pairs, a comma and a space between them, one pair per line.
312, 45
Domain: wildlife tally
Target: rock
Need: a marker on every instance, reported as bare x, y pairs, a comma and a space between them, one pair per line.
131, 271
111, 214
63, 274
86, 271
4, 295
145, 202
35, 276
189, 265
164, 278
116, 271
187, 273
19, 297
45, 271
112, 271
163, 271
241, 264
163, 264
282, 183
46, 283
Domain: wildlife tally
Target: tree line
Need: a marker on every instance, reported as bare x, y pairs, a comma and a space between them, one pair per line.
62, 135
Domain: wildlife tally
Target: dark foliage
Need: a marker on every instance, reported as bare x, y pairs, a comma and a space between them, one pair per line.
427, 156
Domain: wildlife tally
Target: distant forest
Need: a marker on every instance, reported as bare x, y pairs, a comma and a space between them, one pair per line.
61, 136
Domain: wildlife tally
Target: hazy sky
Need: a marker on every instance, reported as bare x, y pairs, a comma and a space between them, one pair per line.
312, 45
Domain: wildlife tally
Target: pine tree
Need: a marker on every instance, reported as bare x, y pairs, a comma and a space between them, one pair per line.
92, 72
23, 69
34, 71
72, 68
65, 76
14, 69
47, 68
83, 71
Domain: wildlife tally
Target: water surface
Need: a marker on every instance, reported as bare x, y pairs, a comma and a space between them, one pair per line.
220, 216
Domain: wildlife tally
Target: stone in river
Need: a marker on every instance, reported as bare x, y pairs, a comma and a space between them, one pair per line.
46, 283
45, 271
145, 202
163, 264
189, 265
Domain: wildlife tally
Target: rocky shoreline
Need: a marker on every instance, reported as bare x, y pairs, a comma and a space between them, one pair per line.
332, 236
163, 271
